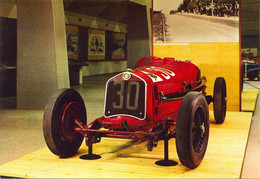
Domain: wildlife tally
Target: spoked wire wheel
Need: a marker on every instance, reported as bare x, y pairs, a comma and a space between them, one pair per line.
192, 129
198, 130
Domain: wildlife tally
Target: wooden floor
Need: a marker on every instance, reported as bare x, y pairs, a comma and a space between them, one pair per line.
249, 97
123, 158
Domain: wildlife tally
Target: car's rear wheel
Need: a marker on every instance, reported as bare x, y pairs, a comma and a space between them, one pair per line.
192, 129
220, 100
63, 107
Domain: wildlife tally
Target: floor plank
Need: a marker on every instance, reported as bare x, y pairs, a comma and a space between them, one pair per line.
249, 97
123, 158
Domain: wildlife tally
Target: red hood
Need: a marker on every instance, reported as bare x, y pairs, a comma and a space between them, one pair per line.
159, 70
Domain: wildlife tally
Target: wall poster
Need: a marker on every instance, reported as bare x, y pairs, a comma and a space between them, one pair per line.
96, 44
118, 46
249, 52
206, 32
196, 21
72, 41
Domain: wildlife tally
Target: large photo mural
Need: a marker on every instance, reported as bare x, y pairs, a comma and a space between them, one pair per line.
196, 21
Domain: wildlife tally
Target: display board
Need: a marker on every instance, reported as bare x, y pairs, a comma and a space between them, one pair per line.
249, 52
118, 46
204, 32
72, 41
96, 44
86, 44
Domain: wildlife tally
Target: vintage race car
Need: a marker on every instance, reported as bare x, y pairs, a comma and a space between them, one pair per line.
250, 69
158, 100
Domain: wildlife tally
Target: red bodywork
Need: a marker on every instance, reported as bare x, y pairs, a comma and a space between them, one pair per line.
143, 103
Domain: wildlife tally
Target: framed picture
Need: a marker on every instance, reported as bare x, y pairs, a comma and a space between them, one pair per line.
188, 21
249, 52
96, 44
118, 46
72, 41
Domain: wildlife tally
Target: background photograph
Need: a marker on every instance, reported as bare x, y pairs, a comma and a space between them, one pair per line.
196, 21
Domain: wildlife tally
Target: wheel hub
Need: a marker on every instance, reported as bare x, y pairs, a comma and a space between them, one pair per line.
198, 130
202, 129
70, 113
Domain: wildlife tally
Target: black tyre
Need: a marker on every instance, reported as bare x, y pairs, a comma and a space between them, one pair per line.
63, 107
192, 129
220, 100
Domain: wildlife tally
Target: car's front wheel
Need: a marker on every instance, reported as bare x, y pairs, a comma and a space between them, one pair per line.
63, 107
192, 129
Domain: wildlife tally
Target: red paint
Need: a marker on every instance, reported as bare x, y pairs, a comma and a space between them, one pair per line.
159, 77
69, 115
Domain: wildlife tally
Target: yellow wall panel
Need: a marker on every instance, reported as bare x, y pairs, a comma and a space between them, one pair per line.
214, 59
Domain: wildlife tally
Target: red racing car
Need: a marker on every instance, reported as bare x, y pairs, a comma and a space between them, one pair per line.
158, 100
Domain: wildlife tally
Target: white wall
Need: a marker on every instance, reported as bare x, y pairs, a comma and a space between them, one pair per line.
102, 67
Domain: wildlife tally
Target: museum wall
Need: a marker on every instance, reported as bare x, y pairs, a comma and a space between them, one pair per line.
98, 67
95, 67
42, 60
250, 34
139, 33
8, 55
8, 10
214, 59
